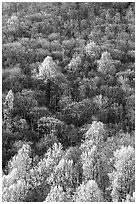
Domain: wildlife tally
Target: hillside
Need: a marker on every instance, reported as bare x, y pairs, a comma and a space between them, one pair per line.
68, 95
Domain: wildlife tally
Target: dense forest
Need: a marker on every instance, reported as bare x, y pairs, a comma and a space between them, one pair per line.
68, 102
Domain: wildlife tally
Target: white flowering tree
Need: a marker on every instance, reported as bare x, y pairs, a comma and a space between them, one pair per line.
74, 65
123, 181
92, 50
65, 174
39, 174
96, 132
57, 194
88, 192
16, 192
106, 64
15, 185
22, 161
54, 81
94, 165
48, 69
7, 108
94, 159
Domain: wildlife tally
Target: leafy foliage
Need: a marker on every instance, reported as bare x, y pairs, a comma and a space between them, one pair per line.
68, 102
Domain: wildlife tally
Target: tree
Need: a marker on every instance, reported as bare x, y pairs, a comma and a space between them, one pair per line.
125, 85
101, 106
88, 192
69, 135
130, 112
92, 50
16, 192
95, 161
47, 125
15, 184
73, 153
24, 104
96, 133
65, 174
78, 113
105, 64
94, 165
123, 182
45, 142
74, 65
39, 174
21, 161
7, 109
57, 195
48, 69
54, 79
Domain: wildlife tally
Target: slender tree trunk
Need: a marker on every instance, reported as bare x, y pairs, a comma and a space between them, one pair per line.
78, 15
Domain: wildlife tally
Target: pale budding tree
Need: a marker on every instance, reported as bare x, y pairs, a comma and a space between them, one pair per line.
106, 64
123, 178
7, 109
92, 50
15, 184
57, 194
94, 160
39, 174
48, 69
88, 192
65, 174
